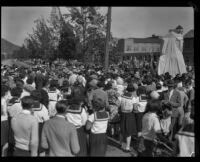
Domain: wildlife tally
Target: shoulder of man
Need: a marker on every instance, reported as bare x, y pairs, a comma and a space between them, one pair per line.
177, 92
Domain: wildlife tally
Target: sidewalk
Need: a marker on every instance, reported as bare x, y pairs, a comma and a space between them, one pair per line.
113, 149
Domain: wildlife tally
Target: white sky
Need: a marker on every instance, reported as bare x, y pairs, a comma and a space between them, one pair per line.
127, 22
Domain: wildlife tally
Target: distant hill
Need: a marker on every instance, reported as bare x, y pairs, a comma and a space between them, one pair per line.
7, 47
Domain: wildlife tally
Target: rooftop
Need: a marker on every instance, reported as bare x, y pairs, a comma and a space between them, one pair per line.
189, 34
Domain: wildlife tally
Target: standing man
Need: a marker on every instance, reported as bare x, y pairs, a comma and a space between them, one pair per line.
174, 98
25, 128
60, 136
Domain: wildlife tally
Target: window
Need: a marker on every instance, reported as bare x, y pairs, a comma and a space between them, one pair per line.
128, 48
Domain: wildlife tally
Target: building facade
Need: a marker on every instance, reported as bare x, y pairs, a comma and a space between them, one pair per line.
188, 48
140, 48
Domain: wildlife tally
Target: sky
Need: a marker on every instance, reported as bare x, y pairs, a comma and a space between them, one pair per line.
135, 22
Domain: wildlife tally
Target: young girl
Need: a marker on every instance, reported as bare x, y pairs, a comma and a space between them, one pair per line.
97, 123
76, 114
54, 96
150, 127
129, 102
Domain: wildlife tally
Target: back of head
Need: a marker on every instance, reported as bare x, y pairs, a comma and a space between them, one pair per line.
45, 82
153, 106
27, 102
98, 103
29, 80
22, 75
4, 90
16, 92
158, 86
131, 87
100, 84
61, 107
53, 83
109, 85
19, 83
36, 95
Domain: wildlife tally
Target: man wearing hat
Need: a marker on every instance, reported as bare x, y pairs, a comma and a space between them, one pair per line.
174, 98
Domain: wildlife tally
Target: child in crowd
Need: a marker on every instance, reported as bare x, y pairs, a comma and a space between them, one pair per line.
97, 123
77, 115
54, 96
129, 103
14, 105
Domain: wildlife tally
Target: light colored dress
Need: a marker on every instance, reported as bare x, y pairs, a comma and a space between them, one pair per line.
172, 60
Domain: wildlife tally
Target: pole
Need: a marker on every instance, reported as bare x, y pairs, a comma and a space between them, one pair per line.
107, 39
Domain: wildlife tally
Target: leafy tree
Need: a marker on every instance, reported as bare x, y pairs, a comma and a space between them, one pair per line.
41, 42
89, 28
67, 43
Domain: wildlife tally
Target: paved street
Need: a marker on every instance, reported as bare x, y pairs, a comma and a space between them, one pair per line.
113, 149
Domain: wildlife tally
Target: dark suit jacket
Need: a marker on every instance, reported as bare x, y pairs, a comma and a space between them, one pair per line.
190, 95
175, 101
45, 98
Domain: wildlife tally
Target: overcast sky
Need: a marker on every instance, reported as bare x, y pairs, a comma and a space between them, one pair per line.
127, 22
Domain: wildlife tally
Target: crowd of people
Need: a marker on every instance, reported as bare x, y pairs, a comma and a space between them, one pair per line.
70, 109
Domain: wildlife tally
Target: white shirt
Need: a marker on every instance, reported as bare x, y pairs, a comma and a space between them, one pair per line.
165, 125
14, 109
120, 89
33, 85
77, 120
164, 88
24, 93
72, 79
170, 94
83, 79
142, 104
25, 79
41, 115
150, 126
98, 126
127, 103
52, 108
160, 90
54, 96
4, 106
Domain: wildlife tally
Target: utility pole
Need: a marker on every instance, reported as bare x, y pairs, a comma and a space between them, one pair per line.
107, 39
